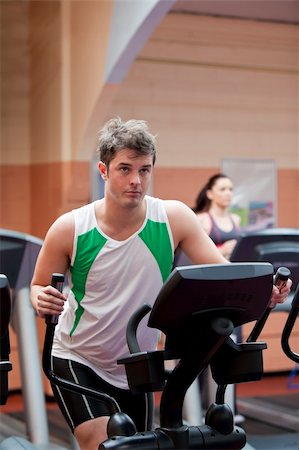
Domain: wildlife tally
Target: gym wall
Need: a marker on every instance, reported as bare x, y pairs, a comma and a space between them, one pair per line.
210, 88
217, 88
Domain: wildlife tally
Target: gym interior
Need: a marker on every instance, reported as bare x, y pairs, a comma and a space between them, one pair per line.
217, 81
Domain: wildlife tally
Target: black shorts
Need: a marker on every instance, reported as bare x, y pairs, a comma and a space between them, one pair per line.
78, 408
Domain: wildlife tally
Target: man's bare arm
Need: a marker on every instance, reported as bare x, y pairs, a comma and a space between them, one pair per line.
54, 256
189, 235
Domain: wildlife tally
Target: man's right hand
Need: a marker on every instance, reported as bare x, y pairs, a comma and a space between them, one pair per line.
49, 301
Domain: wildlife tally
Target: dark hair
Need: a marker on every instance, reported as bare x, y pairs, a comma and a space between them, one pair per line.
117, 135
202, 202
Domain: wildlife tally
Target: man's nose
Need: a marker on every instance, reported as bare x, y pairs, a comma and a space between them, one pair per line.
135, 178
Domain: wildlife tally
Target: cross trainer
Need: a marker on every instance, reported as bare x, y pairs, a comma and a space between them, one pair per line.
197, 310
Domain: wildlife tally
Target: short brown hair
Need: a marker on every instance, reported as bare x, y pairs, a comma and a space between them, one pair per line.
117, 135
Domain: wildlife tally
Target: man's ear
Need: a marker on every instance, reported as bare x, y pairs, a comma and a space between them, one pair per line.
103, 170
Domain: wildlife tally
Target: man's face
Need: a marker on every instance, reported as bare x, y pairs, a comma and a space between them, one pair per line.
128, 177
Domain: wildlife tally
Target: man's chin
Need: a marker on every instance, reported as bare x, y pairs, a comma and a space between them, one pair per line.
133, 201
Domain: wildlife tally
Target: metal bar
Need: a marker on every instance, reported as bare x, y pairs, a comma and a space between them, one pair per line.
30, 365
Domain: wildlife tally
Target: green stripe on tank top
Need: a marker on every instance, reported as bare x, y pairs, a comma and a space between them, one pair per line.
88, 247
156, 237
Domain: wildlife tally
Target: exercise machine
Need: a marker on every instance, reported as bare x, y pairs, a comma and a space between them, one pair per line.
280, 247
195, 402
12, 442
277, 246
18, 254
197, 309
5, 364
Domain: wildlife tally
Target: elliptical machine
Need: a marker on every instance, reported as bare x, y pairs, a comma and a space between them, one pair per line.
197, 309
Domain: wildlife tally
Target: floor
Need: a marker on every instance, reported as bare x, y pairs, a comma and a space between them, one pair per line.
260, 435
266, 430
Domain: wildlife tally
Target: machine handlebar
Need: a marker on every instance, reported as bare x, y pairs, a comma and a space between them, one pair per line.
280, 279
132, 326
289, 325
57, 281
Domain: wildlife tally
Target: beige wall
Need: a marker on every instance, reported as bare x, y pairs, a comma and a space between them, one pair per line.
211, 88
52, 71
14, 83
69, 43
216, 87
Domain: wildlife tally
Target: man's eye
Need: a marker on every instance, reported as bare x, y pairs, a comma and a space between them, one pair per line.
124, 169
145, 171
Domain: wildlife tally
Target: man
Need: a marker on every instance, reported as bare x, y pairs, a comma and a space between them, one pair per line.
118, 252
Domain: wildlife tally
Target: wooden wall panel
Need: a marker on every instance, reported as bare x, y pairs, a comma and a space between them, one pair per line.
15, 198
56, 189
31, 198
288, 197
180, 183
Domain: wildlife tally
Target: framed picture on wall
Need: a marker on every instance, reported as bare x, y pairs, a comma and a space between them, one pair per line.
255, 191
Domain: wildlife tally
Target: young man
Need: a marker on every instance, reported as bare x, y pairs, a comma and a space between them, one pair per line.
118, 252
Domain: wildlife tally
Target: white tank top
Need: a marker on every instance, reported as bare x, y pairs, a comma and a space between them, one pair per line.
108, 281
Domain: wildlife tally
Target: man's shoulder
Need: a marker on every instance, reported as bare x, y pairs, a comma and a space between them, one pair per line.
172, 207
68, 218
65, 219
62, 227
82, 208
175, 205
178, 210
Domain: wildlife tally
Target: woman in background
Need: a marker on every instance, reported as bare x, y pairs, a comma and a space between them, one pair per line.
212, 208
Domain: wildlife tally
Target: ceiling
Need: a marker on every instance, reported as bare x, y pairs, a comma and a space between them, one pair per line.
267, 10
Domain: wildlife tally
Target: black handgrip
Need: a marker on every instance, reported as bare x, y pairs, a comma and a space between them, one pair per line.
131, 336
5, 305
132, 325
288, 328
57, 281
5, 364
280, 279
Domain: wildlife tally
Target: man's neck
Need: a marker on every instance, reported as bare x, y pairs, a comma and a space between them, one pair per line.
120, 222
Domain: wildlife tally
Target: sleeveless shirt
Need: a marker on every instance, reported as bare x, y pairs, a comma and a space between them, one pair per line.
220, 236
108, 281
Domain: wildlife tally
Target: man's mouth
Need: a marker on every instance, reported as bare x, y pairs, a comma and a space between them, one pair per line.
133, 192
